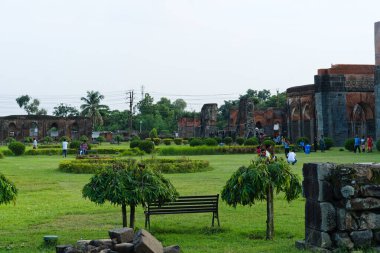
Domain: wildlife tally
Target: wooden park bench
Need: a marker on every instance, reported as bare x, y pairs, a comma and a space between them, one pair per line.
183, 205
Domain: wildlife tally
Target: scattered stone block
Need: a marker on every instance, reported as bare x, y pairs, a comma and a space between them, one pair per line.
72, 250
346, 220
318, 238
82, 244
172, 249
370, 191
146, 243
124, 247
61, 248
122, 235
320, 216
362, 204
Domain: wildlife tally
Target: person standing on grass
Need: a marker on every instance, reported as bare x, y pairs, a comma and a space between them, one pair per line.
362, 144
369, 143
356, 144
64, 147
34, 143
315, 144
286, 144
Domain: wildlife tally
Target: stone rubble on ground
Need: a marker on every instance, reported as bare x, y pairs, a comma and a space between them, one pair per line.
122, 240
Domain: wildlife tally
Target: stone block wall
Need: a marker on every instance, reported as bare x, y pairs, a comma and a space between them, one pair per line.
342, 207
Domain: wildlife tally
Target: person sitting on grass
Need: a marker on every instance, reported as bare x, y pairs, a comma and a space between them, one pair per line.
292, 157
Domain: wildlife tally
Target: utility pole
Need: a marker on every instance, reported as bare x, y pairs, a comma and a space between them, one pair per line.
130, 96
142, 92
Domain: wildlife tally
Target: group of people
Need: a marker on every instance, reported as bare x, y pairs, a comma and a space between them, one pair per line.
267, 152
360, 144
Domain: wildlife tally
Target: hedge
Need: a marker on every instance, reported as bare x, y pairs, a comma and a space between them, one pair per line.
86, 166
1, 155
206, 150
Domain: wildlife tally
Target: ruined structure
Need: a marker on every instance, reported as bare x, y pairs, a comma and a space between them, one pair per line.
40, 126
208, 120
188, 127
342, 206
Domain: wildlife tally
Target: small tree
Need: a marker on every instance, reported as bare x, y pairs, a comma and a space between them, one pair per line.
83, 138
129, 186
118, 138
257, 182
8, 191
153, 134
101, 139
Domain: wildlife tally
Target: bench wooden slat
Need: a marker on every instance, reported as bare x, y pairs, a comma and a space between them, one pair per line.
183, 205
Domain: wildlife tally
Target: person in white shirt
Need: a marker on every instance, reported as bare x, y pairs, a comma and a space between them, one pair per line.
64, 148
34, 143
292, 157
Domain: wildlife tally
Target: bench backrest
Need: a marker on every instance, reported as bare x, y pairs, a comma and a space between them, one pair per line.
186, 204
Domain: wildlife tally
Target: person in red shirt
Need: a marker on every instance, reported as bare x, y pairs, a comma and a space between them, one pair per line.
369, 143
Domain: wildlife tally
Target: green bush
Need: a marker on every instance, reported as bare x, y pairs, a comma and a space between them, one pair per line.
268, 143
185, 142
49, 146
210, 142
206, 150
17, 148
134, 143
251, 141
9, 140
167, 141
349, 144
146, 146
1, 155
218, 139
75, 144
329, 142
304, 139
28, 139
182, 165
101, 139
156, 141
240, 140
119, 138
227, 140
83, 138
7, 152
48, 140
153, 133
196, 142
64, 138
135, 138
378, 145
93, 165
133, 152
178, 141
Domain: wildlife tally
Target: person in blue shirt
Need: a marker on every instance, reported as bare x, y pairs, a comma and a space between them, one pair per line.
286, 144
357, 144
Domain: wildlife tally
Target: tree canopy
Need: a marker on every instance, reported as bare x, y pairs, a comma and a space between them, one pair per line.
31, 106
8, 191
92, 107
65, 110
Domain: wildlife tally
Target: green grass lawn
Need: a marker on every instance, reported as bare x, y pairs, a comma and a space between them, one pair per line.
50, 202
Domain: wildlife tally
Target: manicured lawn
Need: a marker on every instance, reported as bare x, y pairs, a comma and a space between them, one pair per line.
50, 202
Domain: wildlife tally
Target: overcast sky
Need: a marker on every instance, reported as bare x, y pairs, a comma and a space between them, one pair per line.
204, 51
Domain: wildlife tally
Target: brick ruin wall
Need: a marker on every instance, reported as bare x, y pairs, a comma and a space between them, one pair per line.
342, 207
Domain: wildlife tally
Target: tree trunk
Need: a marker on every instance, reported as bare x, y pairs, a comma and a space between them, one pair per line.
124, 213
270, 214
132, 216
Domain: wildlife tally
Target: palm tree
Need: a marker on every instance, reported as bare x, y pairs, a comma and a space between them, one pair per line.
92, 107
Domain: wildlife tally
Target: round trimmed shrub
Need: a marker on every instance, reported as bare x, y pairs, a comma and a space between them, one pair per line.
251, 141
9, 140
227, 140
178, 141
75, 144
268, 143
156, 141
211, 142
240, 141
218, 139
196, 142
329, 142
17, 147
64, 138
48, 139
167, 141
134, 143
349, 144
28, 139
305, 140
146, 146
83, 138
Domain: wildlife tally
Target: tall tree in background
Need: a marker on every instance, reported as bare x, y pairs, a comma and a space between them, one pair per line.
92, 107
30, 106
64, 110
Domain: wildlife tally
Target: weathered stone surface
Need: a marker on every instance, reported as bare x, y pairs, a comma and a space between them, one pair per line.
61, 248
342, 240
317, 190
370, 191
317, 238
363, 173
347, 191
122, 235
317, 171
82, 244
146, 243
320, 216
358, 204
362, 239
101, 242
376, 236
172, 249
124, 247
369, 221
346, 220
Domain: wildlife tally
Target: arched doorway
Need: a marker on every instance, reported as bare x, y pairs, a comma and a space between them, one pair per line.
12, 130
53, 130
358, 122
33, 130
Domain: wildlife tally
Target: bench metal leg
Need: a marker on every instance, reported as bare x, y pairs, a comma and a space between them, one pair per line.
147, 221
